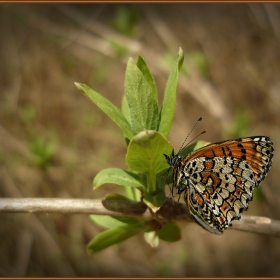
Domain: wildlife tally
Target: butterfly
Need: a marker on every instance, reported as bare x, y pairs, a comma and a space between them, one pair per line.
218, 180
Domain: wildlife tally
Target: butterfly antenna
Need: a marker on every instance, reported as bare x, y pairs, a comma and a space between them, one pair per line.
183, 145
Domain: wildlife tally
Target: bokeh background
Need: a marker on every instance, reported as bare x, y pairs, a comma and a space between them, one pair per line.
53, 140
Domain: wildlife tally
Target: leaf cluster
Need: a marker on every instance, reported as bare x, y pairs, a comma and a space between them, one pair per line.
145, 127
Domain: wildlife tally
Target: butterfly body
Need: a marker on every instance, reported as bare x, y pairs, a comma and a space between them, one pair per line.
218, 180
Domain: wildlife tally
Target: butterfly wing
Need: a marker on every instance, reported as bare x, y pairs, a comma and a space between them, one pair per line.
219, 179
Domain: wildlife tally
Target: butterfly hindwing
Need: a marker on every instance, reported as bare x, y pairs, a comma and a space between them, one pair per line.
219, 189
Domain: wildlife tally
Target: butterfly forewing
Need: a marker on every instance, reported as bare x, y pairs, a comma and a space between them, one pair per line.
256, 151
218, 179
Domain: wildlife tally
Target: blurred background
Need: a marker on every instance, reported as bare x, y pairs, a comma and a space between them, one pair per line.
53, 140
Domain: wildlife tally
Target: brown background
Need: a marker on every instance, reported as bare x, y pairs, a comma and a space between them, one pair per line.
44, 49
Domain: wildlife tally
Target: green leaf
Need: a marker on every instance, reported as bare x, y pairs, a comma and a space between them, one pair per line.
142, 65
169, 101
112, 236
131, 221
133, 193
145, 155
108, 108
170, 232
106, 221
164, 177
114, 222
141, 98
119, 177
125, 109
155, 201
145, 152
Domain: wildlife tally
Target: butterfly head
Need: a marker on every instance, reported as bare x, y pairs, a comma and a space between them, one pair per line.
173, 159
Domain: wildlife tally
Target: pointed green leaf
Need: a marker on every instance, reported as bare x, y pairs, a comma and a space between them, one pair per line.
112, 236
169, 101
141, 99
142, 65
125, 109
108, 108
113, 222
119, 177
106, 221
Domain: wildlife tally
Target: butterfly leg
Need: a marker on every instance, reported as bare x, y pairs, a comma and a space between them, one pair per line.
179, 197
